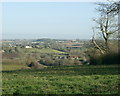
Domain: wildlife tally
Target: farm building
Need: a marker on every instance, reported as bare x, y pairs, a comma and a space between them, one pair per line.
28, 46
74, 57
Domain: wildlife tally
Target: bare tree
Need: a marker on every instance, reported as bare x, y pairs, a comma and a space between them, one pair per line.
107, 24
110, 7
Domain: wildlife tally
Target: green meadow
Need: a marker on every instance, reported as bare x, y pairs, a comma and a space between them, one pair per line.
45, 50
86, 79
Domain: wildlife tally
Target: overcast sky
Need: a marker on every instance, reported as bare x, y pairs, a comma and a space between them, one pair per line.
60, 20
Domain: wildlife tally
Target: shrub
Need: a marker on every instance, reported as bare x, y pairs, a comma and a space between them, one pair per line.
35, 65
111, 58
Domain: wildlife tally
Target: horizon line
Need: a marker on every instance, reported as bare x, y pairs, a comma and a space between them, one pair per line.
56, 1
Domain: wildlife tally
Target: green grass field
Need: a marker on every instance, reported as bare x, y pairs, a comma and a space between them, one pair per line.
102, 79
12, 67
46, 50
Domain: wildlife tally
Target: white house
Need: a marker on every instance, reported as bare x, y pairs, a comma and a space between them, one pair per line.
28, 46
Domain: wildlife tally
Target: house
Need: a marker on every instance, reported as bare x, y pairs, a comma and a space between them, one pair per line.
2, 51
28, 46
74, 57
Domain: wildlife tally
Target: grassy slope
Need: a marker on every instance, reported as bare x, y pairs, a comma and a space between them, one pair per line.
46, 50
63, 80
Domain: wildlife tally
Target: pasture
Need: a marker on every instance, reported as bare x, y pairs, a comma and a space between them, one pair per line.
87, 79
45, 50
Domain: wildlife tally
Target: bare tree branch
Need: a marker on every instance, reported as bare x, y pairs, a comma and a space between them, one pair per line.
95, 44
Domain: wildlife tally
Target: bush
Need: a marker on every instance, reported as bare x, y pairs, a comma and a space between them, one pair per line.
111, 58
35, 65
